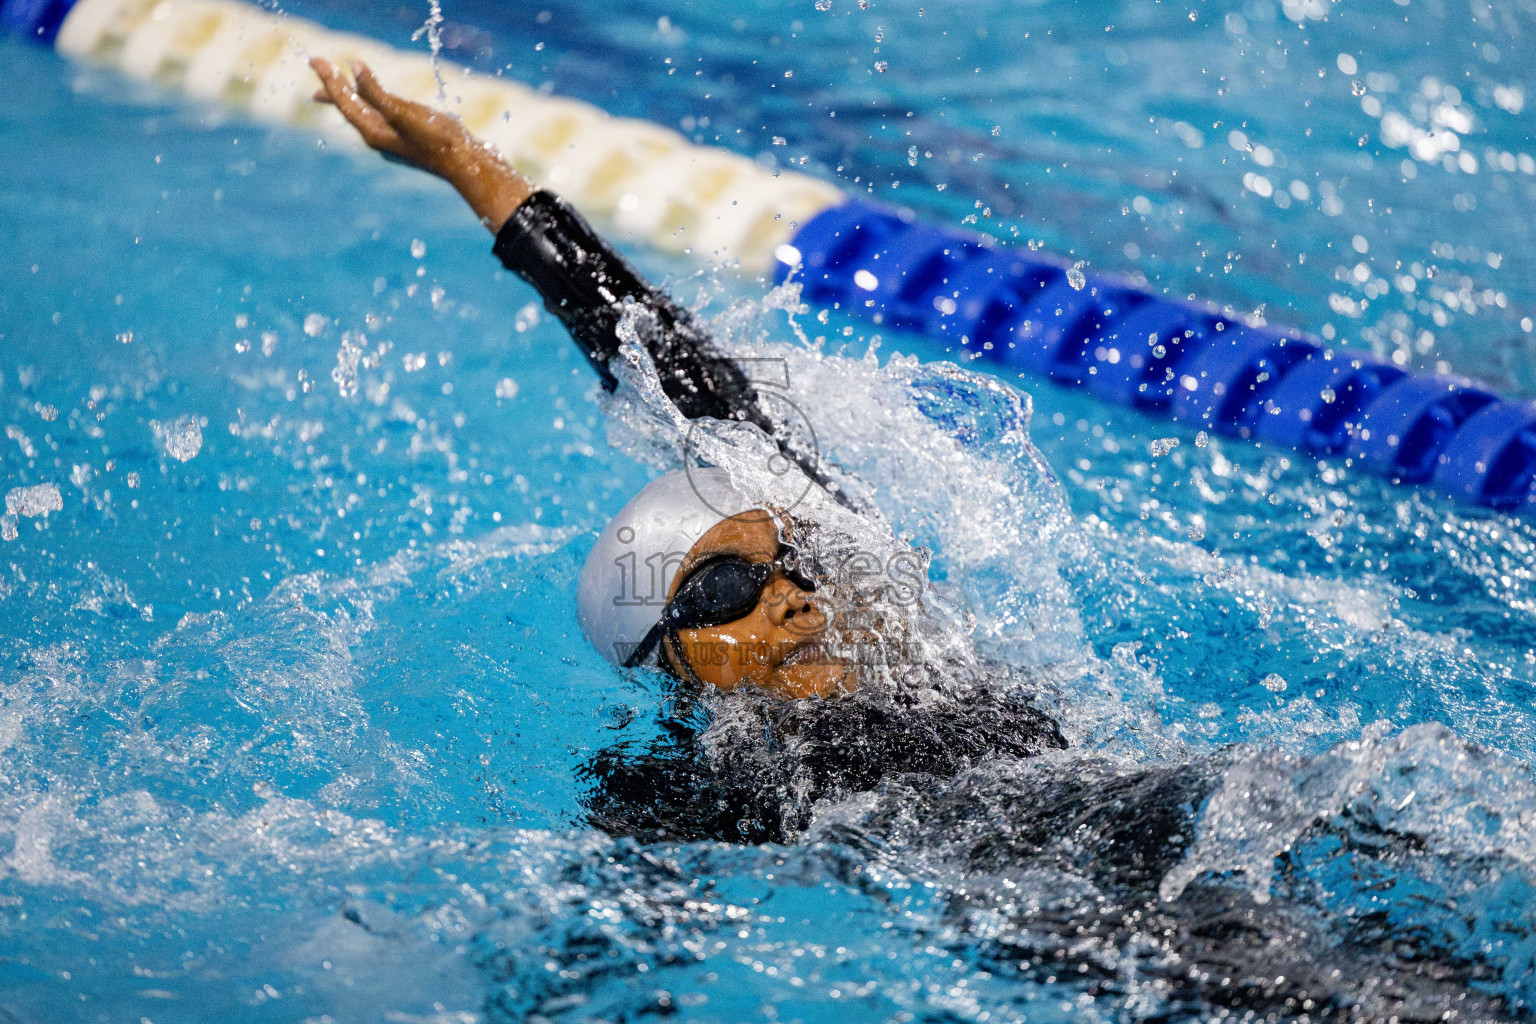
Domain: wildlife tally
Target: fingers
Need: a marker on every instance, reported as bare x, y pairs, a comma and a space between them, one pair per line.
387, 103
370, 124
414, 121
326, 71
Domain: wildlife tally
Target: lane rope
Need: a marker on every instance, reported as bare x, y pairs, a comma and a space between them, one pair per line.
1188, 361
1037, 314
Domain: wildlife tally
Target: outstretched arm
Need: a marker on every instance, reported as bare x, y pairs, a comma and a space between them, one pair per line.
584, 282
428, 139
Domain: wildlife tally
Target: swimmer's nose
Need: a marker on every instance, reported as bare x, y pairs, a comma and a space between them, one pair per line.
792, 608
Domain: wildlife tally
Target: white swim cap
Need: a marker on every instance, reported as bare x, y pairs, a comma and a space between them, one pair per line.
624, 584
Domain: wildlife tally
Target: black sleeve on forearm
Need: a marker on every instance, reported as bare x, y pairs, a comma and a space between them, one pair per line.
587, 286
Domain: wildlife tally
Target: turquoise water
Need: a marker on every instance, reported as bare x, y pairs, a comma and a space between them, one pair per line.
292, 699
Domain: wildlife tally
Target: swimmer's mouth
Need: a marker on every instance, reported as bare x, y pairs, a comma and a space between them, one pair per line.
810, 653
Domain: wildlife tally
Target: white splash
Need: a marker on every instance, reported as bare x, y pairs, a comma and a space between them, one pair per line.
1424, 782
940, 461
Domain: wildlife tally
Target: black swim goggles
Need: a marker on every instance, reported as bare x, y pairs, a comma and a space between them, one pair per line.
720, 590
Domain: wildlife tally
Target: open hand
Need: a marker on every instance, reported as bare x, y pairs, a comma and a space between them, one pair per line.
429, 139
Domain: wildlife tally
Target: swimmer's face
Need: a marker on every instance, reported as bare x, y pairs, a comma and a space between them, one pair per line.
777, 646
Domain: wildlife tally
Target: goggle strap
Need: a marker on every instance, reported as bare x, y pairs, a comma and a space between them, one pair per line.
648, 644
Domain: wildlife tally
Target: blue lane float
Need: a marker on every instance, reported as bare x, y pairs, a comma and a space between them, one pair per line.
1031, 312
1184, 360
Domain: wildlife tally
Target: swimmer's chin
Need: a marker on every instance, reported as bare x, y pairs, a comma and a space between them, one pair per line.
810, 670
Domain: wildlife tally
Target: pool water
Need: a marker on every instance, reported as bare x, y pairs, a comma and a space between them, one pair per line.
292, 699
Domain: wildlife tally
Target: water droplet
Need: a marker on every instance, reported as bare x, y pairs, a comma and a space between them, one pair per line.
414, 361
1163, 445
880, 66
506, 388
527, 318
911, 156
183, 438
347, 358
314, 323
823, 5
1202, 439
1266, 612
1357, 87
1075, 276
38, 500
1274, 683
126, 337
418, 248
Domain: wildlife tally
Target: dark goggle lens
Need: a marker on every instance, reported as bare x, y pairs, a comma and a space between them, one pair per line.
718, 593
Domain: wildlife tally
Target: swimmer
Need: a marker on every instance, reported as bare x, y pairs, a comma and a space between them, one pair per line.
734, 586
976, 780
